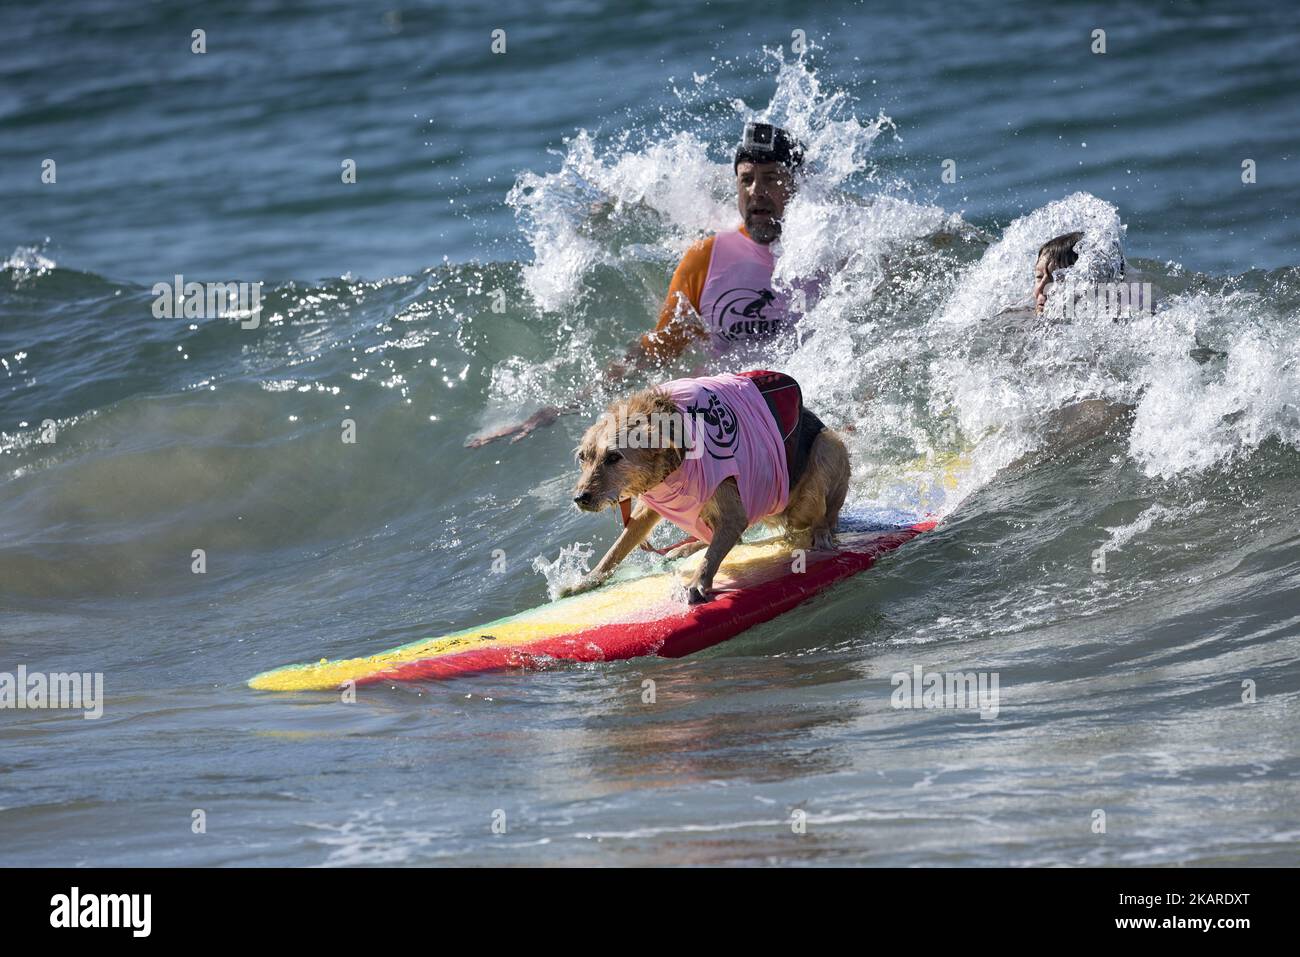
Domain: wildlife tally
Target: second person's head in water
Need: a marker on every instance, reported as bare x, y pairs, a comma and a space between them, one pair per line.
1053, 256
1058, 254
765, 164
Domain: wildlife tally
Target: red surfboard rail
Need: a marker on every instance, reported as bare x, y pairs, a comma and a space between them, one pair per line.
696, 627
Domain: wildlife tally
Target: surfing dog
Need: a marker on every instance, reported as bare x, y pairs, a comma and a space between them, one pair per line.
713, 455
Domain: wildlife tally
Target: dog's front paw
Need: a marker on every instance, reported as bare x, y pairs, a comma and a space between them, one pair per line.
699, 592
823, 540
578, 587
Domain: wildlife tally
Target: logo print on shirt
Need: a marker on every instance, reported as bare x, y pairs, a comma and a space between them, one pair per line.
721, 436
739, 314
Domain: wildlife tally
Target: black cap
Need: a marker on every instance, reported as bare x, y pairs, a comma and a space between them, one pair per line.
765, 143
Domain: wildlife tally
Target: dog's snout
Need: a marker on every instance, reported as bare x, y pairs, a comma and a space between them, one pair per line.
582, 498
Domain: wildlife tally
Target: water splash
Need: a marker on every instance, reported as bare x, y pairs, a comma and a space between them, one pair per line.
570, 567
27, 263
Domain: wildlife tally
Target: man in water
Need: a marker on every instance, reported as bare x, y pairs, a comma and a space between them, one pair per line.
726, 279
721, 293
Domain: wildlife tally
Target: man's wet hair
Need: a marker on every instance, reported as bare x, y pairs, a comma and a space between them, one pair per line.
1059, 251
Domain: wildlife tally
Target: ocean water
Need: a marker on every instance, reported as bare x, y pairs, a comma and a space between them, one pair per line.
1119, 539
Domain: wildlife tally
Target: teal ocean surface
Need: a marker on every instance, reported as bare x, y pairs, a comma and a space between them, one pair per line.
1119, 500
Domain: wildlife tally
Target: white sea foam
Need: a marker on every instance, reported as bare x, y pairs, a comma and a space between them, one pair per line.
923, 344
1121, 535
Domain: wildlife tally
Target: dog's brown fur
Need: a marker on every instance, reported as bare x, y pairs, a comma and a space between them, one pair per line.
613, 471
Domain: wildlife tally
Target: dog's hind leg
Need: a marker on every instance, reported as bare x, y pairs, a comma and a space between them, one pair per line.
818, 496
837, 455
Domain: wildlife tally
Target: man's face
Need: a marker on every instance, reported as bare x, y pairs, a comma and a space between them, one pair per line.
764, 189
1042, 279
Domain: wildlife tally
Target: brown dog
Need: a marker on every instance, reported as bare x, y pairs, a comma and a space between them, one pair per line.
633, 448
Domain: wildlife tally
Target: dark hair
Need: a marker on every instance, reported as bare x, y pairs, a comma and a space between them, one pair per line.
1060, 251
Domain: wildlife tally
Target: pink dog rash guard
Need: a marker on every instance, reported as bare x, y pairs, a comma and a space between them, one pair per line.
727, 420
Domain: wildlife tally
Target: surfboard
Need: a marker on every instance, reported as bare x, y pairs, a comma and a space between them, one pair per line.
631, 617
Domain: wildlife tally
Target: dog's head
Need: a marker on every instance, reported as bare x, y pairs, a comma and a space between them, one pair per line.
631, 448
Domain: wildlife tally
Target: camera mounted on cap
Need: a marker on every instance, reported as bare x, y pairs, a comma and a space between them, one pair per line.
765, 143
759, 136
